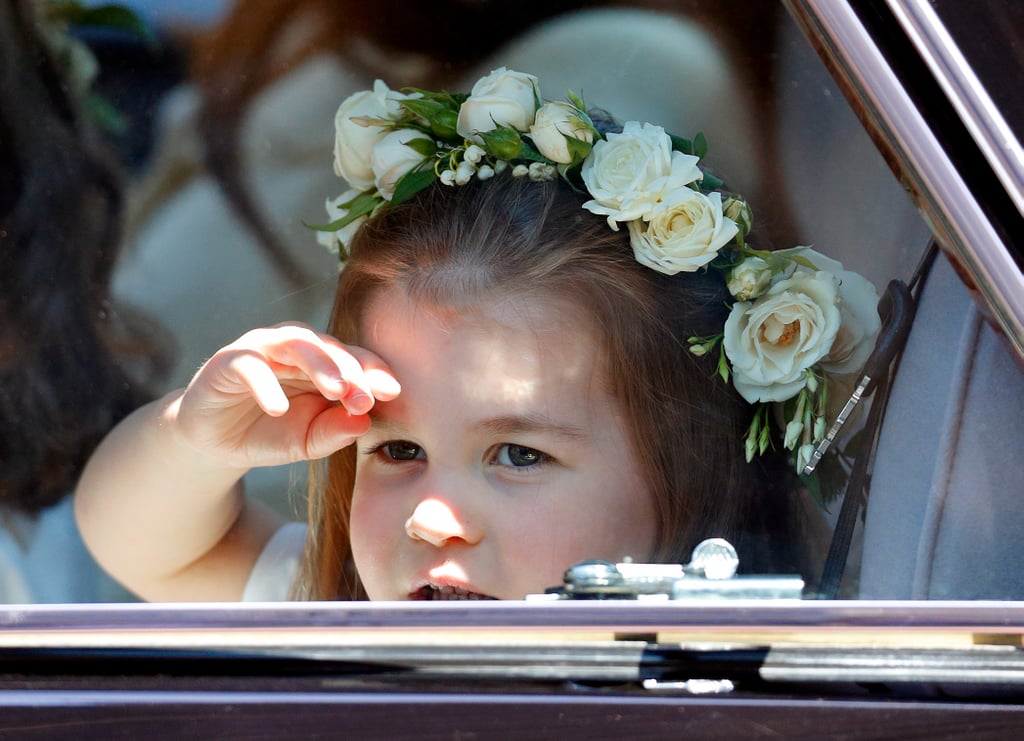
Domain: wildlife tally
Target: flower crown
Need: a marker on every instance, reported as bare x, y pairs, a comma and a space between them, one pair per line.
796, 316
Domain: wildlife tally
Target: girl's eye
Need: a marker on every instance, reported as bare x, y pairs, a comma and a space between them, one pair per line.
520, 456
402, 450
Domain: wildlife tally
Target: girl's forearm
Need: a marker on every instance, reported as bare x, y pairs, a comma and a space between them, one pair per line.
168, 521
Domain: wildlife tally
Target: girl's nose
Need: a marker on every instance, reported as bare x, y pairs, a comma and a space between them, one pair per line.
436, 523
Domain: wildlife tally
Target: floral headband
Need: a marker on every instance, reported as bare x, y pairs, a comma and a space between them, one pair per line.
797, 317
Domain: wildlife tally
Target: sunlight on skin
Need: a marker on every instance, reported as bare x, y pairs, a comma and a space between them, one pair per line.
455, 510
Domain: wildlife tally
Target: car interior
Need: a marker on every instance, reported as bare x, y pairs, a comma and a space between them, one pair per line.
942, 512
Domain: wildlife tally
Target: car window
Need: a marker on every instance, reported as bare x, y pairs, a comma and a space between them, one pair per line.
942, 458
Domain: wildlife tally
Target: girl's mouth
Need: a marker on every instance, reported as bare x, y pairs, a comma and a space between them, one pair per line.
446, 592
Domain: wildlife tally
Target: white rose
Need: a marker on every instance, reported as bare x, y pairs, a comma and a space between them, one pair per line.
628, 173
502, 98
556, 122
342, 237
392, 158
353, 141
858, 307
684, 233
749, 279
771, 342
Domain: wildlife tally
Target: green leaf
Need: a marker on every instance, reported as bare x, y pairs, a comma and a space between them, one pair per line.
504, 142
422, 146
764, 439
576, 100
529, 153
363, 204
800, 260
710, 182
423, 107
578, 149
700, 145
445, 125
680, 144
331, 226
412, 183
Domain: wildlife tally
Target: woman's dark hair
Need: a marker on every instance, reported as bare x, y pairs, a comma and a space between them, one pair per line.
461, 247
62, 386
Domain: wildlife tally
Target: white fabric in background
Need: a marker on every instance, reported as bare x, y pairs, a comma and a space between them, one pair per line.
43, 560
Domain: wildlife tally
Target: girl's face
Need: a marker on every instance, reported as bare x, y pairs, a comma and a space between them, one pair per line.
504, 460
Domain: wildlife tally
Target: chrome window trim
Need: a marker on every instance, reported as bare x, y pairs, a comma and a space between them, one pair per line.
323, 623
950, 207
965, 91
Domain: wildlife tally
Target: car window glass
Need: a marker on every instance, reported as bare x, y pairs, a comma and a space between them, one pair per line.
780, 129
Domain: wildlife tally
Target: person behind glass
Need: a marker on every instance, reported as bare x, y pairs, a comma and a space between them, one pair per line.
63, 349
511, 381
193, 262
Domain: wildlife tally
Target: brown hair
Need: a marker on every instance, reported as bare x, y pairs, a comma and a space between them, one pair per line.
454, 246
64, 351
260, 41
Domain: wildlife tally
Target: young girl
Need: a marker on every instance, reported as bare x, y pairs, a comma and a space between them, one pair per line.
506, 388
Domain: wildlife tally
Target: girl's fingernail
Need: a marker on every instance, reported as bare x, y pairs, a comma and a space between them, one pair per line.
383, 383
358, 403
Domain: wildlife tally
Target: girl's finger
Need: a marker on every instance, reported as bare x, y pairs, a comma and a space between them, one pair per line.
296, 352
334, 429
380, 382
365, 377
252, 370
352, 375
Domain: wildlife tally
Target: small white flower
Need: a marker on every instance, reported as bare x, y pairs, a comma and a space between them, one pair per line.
486, 172
520, 171
464, 173
794, 430
500, 166
342, 237
803, 456
448, 177
474, 154
770, 342
749, 279
627, 174
555, 123
392, 158
354, 142
502, 98
683, 234
820, 429
541, 171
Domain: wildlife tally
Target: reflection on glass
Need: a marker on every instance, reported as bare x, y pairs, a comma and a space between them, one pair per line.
211, 257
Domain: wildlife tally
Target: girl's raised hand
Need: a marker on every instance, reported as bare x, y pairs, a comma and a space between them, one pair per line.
282, 394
